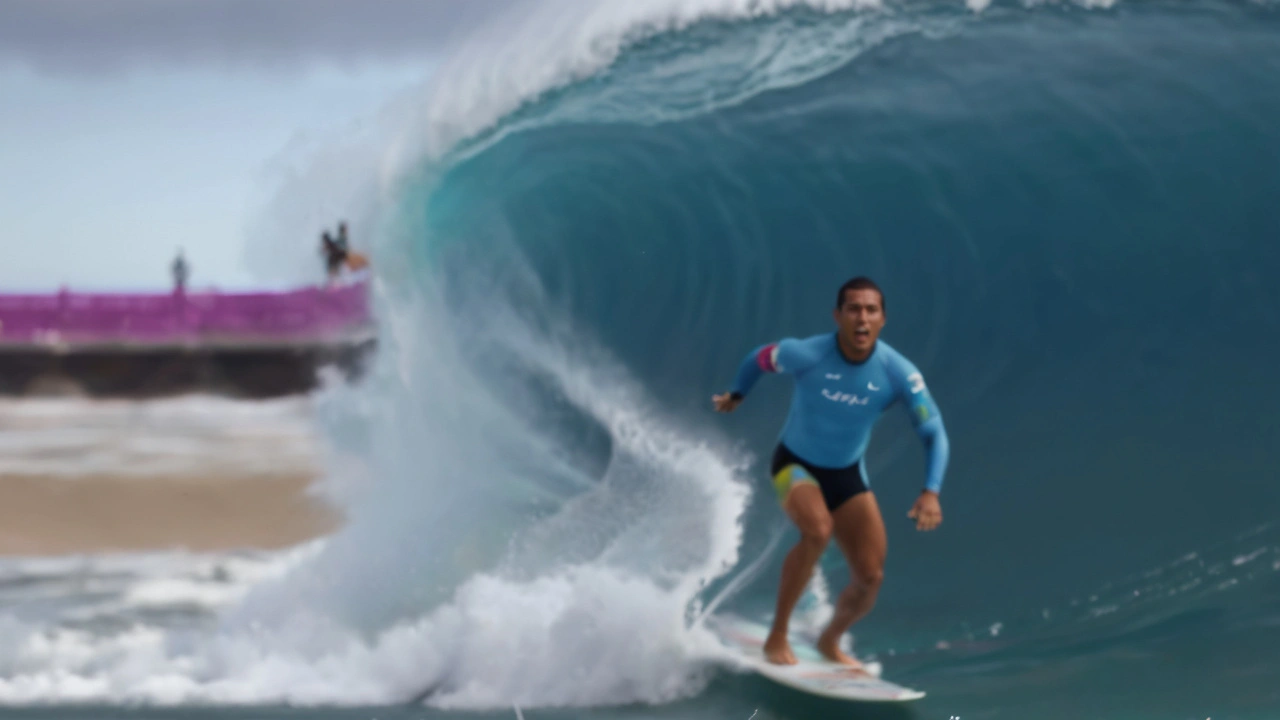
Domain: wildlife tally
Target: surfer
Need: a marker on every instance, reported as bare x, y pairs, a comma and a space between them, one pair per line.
844, 381
335, 255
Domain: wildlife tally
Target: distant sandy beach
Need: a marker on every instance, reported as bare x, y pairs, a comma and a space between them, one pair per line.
201, 473
96, 514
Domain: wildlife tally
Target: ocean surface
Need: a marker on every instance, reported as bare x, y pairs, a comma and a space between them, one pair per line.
593, 213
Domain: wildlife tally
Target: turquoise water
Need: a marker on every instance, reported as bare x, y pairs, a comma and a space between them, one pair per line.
1072, 212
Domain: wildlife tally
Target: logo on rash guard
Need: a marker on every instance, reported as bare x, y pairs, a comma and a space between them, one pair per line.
841, 397
917, 382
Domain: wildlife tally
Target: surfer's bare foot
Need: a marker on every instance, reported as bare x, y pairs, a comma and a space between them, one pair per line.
832, 652
778, 651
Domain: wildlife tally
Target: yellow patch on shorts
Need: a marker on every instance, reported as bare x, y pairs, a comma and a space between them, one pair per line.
788, 477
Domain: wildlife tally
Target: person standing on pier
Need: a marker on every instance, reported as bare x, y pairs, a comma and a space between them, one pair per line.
180, 273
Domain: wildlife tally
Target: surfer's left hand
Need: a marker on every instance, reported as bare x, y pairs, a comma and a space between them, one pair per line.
927, 512
727, 402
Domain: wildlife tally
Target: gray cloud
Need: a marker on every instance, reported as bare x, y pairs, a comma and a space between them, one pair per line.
93, 36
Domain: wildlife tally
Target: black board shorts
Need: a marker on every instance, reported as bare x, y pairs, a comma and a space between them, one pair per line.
837, 484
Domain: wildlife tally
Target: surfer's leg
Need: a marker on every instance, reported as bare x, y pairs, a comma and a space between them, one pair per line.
859, 530
807, 509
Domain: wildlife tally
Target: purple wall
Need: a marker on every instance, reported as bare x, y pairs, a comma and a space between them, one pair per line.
300, 315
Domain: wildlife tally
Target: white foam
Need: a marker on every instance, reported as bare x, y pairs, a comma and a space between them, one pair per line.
585, 636
593, 603
69, 438
543, 642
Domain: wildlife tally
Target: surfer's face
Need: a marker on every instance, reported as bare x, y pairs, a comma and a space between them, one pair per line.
860, 318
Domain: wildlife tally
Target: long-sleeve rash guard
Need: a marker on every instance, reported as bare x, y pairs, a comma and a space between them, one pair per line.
837, 402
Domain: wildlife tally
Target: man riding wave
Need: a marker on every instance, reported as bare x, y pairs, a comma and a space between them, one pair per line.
844, 381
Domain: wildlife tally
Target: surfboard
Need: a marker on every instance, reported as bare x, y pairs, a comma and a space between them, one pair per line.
814, 674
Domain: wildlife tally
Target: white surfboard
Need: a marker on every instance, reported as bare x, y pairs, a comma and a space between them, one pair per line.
814, 674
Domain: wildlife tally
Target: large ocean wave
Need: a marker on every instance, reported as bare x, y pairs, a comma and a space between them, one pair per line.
601, 209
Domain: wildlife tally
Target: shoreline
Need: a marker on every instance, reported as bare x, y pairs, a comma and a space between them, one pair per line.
44, 515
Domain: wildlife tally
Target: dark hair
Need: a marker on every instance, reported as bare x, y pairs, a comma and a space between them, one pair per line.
859, 283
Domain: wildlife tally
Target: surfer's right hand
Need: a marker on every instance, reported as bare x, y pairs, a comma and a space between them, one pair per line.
726, 402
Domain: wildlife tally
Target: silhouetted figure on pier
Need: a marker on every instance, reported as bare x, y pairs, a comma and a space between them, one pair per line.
181, 271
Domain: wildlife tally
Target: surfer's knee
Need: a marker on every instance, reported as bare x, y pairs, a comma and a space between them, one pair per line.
869, 575
816, 533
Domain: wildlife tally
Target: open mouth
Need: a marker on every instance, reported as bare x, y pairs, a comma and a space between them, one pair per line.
862, 333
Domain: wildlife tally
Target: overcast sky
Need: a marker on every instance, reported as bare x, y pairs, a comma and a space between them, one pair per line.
96, 36
133, 127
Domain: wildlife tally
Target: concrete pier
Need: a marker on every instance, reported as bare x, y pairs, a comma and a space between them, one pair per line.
263, 344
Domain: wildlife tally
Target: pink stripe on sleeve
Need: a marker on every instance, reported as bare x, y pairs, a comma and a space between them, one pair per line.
764, 358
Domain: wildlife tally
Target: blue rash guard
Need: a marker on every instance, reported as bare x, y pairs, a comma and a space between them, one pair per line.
837, 402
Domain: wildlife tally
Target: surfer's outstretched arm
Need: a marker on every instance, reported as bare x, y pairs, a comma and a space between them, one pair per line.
785, 356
